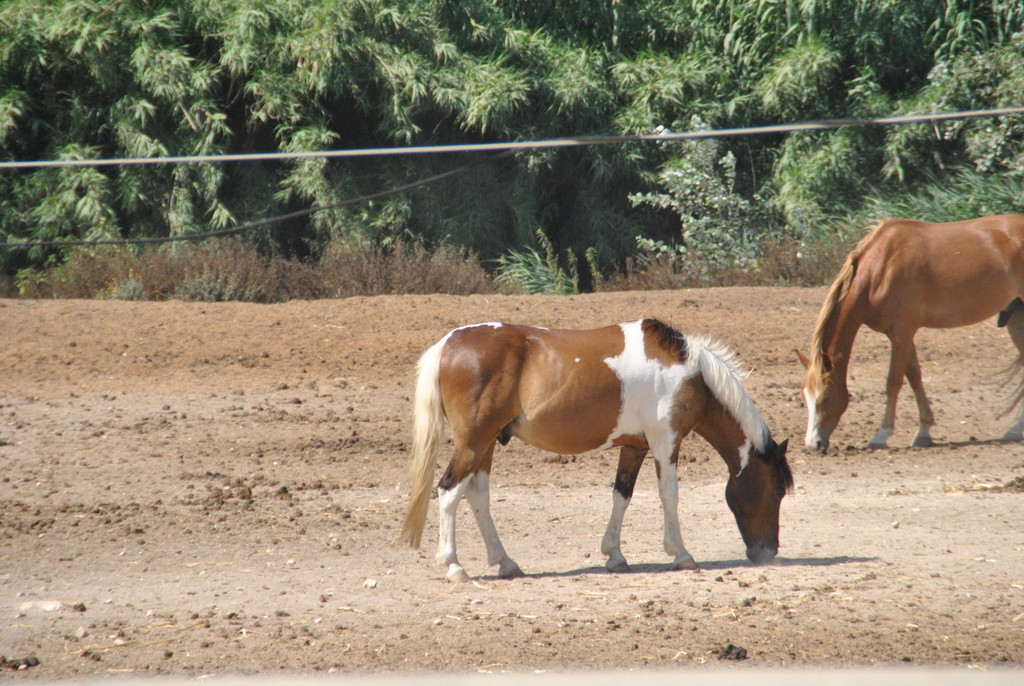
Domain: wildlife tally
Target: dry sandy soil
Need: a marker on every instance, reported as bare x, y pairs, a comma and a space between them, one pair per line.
198, 489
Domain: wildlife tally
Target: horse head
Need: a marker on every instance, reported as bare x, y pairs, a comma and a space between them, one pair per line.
827, 398
755, 495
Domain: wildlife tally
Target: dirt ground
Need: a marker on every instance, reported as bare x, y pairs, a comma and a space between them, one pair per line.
196, 489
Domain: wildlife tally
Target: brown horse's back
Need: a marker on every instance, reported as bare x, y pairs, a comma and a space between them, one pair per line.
916, 274
535, 382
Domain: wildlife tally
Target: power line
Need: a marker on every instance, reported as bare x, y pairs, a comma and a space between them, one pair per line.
823, 125
504, 149
241, 228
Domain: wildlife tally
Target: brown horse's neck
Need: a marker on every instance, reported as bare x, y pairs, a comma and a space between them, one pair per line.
724, 433
839, 321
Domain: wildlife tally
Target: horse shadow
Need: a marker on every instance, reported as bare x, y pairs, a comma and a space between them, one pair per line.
970, 442
790, 562
706, 566
973, 442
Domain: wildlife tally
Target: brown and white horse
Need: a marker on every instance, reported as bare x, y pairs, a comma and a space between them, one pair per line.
902, 276
638, 386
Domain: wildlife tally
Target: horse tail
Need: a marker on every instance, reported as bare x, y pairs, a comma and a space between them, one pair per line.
1013, 319
428, 434
1013, 376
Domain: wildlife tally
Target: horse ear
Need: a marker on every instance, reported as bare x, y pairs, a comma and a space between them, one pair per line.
803, 358
783, 446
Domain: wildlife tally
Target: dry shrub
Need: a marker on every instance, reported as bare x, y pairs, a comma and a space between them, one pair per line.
231, 270
217, 270
364, 268
8, 288
95, 273
228, 269
789, 262
646, 273
782, 262
650, 272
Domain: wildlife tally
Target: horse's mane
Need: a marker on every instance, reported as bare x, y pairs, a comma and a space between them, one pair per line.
666, 338
837, 292
722, 374
724, 377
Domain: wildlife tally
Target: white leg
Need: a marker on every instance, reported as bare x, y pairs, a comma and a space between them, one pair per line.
611, 544
479, 496
881, 439
668, 489
923, 439
448, 508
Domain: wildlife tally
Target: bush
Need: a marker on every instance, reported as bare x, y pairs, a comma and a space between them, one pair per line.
92, 273
228, 269
364, 268
779, 262
719, 229
527, 271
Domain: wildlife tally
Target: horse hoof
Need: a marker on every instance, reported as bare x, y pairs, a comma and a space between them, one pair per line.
458, 577
619, 567
878, 445
513, 572
922, 442
1013, 436
686, 563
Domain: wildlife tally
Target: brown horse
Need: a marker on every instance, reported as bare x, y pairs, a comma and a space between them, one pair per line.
639, 386
902, 276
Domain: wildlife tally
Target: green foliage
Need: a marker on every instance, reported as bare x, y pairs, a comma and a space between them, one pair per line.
994, 78
796, 79
86, 79
822, 175
962, 194
527, 271
717, 226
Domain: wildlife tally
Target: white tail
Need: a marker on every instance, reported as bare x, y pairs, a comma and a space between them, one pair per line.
428, 434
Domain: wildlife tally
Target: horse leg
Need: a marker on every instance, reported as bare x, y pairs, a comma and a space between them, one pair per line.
630, 461
479, 496
456, 482
668, 489
902, 347
923, 439
1015, 327
448, 505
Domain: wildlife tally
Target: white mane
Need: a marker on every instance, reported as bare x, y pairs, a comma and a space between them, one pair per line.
722, 375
